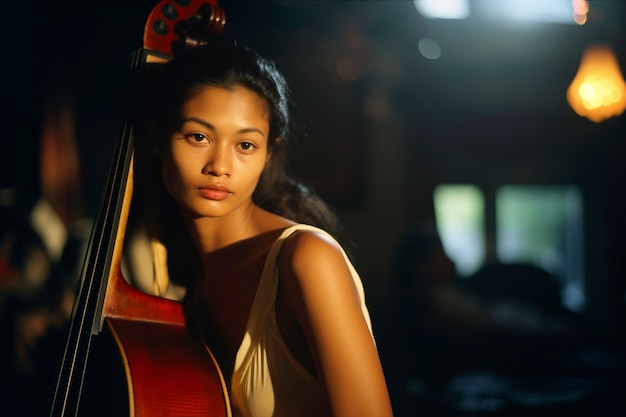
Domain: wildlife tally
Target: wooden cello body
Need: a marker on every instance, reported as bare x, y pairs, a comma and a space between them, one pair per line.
129, 353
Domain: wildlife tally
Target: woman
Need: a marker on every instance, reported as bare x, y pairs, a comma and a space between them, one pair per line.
278, 301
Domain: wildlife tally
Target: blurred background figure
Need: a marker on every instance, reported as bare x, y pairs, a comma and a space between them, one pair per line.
42, 243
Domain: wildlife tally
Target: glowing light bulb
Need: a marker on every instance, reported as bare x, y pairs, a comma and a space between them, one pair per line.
598, 91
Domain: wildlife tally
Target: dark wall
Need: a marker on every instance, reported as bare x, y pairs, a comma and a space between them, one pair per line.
491, 110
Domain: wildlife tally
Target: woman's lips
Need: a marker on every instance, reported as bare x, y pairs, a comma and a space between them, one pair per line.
214, 192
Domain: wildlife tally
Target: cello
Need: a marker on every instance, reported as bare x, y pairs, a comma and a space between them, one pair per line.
127, 352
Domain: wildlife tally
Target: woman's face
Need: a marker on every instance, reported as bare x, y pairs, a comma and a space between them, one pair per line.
217, 154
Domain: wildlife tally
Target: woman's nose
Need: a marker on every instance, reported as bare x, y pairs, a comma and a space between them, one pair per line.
218, 163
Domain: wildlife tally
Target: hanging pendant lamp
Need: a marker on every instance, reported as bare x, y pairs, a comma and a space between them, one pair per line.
598, 91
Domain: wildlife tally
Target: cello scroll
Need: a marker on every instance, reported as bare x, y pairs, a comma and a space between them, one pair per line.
173, 26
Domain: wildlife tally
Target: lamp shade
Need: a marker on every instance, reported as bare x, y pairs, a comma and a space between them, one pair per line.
598, 90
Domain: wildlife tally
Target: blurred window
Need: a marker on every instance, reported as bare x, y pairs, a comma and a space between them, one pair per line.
460, 213
541, 225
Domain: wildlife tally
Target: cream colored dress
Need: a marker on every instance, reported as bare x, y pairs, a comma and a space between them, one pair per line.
267, 380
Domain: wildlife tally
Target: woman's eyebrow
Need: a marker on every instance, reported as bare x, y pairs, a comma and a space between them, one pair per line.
252, 130
199, 121
211, 127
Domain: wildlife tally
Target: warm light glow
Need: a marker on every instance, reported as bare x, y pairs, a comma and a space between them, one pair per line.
580, 9
598, 90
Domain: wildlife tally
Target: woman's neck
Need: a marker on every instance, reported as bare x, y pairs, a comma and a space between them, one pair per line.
213, 233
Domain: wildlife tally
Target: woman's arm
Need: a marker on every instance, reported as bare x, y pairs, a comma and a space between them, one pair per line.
326, 303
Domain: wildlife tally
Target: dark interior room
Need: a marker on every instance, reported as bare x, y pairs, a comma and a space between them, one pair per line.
483, 195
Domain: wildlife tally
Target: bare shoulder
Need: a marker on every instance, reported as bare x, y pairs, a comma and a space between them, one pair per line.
310, 249
315, 264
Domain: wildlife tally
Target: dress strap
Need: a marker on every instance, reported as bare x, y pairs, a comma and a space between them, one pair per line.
265, 298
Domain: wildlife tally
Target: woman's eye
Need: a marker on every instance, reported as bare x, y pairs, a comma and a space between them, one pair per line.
196, 137
246, 146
